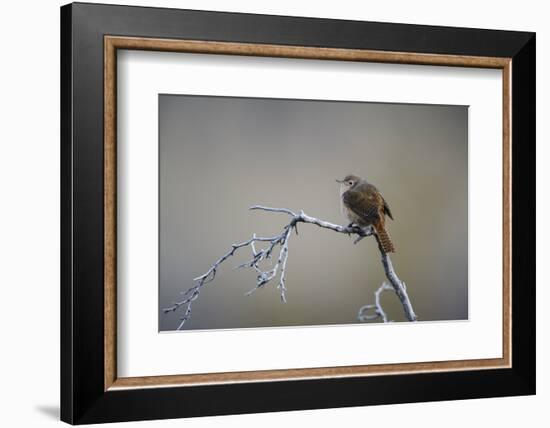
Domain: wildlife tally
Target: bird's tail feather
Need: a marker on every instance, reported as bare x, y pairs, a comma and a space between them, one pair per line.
384, 239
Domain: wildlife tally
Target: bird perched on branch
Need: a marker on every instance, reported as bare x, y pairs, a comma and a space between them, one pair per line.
364, 206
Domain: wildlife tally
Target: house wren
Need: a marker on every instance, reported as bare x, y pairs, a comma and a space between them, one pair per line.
364, 206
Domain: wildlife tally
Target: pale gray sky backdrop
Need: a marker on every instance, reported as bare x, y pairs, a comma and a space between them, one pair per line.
220, 155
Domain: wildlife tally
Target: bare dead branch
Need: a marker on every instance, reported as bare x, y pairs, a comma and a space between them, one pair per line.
399, 286
281, 242
363, 314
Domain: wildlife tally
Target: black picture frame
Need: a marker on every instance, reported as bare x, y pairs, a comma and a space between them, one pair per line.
83, 396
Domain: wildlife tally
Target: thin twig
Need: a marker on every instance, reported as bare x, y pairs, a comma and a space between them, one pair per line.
379, 312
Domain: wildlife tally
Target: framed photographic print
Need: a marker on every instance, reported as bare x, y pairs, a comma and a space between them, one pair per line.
265, 213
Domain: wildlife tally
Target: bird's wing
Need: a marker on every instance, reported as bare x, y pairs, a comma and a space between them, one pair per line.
387, 210
363, 204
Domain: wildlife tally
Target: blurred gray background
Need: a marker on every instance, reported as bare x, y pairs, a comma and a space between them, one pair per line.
220, 155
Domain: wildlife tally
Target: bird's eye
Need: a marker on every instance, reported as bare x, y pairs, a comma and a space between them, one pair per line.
350, 183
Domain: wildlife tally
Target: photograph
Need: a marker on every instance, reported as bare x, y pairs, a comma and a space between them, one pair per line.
281, 210
294, 212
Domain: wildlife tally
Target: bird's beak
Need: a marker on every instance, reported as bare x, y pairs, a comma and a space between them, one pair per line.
339, 181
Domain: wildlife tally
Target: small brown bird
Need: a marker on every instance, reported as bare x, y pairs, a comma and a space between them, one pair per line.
364, 206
